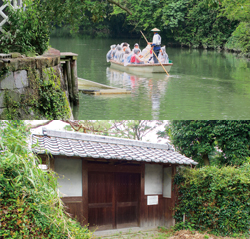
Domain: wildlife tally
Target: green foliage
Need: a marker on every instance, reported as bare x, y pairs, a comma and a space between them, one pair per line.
52, 101
14, 109
236, 10
189, 22
203, 26
184, 226
27, 31
30, 206
29, 28
213, 199
193, 138
200, 138
240, 39
46, 99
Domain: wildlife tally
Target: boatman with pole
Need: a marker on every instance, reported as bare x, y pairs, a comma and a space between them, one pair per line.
156, 44
158, 41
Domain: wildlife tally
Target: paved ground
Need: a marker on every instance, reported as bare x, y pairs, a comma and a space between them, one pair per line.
154, 233
135, 233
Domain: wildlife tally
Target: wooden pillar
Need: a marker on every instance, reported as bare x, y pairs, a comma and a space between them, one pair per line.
74, 80
65, 77
85, 203
142, 204
114, 210
174, 193
52, 163
69, 80
169, 203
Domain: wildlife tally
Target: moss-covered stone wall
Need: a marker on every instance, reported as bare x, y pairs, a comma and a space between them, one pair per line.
33, 88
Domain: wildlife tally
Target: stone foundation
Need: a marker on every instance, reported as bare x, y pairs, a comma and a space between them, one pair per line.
19, 79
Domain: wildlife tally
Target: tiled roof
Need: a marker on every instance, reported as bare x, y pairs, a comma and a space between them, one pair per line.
95, 146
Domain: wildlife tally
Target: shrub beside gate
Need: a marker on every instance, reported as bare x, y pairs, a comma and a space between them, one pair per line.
214, 199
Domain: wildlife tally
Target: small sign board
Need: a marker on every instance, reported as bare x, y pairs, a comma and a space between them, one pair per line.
152, 200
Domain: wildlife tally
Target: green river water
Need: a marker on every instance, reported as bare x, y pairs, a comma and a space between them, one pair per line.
203, 84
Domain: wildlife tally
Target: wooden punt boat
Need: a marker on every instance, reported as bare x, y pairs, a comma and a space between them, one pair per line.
141, 68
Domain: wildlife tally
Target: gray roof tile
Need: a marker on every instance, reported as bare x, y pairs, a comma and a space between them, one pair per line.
96, 146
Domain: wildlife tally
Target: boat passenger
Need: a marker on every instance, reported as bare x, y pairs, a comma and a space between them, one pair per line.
127, 57
118, 53
136, 46
135, 59
147, 54
110, 54
125, 46
156, 44
163, 56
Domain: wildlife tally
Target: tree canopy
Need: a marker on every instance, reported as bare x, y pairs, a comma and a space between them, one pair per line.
223, 142
192, 23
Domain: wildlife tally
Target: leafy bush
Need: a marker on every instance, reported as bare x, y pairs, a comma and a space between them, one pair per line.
52, 101
26, 32
213, 199
29, 27
240, 39
203, 26
30, 205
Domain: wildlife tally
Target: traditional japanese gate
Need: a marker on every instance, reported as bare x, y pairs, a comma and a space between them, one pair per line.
113, 199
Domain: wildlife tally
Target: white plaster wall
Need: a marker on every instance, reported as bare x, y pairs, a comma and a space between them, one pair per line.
70, 173
167, 182
153, 179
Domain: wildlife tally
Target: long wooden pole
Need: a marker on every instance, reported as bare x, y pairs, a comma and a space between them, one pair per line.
155, 54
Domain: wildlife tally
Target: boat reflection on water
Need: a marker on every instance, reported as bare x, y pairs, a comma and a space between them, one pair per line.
151, 86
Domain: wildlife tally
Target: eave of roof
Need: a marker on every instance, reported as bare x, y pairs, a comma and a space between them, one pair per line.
95, 146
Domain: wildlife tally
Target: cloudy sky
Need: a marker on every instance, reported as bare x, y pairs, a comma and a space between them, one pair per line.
59, 125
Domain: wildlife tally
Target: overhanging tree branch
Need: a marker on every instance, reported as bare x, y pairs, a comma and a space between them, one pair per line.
120, 6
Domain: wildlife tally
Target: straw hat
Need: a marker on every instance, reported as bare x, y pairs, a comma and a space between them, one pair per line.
155, 30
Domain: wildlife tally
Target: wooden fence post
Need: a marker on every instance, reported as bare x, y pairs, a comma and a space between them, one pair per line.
74, 80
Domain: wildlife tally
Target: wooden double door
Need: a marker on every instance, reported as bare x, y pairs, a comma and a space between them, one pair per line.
113, 200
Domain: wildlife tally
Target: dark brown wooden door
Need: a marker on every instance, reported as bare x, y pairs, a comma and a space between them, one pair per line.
127, 189
101, 200
113, 200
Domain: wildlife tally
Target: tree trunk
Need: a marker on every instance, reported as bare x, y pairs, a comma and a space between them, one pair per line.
206, 159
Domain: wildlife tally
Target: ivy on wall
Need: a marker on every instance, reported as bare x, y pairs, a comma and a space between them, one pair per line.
43, 99
214, 199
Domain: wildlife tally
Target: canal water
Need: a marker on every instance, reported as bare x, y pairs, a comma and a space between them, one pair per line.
203, 84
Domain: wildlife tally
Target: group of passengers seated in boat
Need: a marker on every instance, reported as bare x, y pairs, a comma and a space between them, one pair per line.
123, 54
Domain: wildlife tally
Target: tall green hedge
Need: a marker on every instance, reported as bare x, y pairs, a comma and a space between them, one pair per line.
215, 199
30, 206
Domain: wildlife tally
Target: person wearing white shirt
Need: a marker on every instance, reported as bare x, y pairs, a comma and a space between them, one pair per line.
156, 44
